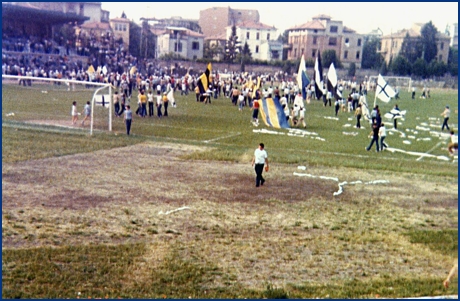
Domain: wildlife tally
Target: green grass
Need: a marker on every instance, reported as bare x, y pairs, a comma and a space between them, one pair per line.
222, 126
123, 271
116, 272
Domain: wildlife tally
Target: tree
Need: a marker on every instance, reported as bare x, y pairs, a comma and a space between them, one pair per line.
430, 49
233, 47
371, 58
452, 61
328, 57
245, 56
419, 68
284, 38
400, 66
411, 48
383, 68
436, 68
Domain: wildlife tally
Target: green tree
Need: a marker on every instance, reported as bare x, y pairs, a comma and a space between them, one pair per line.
430, 49
411, 48
371, 58
329, 56
419, 68
437, 68
452, 61
245, 56
383, 68
400, 66
232, 48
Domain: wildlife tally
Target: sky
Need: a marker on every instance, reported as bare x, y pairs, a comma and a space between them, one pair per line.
362, 17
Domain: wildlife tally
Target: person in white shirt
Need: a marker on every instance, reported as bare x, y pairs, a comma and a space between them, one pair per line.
299, 109
260, 159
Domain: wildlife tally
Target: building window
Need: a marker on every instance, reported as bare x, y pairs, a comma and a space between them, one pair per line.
440, 57
195, 46
347, 40
334, 29
301, 51
295, 52
359, 42
315, 40
268, 36
257, 36
442, 46
345, 54
257, 49
178, 47
332, 41
247, 35
313, 52
357, 55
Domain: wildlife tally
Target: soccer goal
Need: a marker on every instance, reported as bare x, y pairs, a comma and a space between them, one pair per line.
38, 101
396, 82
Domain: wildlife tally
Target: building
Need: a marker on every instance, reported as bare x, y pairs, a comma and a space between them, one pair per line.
174, 22
392, 43
120, 28
216, 46
92, 10
179, 41
214, 21
261, 39
322, 33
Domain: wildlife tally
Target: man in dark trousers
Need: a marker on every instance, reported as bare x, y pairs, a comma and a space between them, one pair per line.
259, 160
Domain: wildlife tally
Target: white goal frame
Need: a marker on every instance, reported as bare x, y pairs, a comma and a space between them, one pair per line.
374, 78
69, 81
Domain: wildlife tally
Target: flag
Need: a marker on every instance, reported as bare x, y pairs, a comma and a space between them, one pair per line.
332, 82
273, 114
383, 91
91, 69
102, 100
133, 70
302, 79
258, 84
318, 76
203, 80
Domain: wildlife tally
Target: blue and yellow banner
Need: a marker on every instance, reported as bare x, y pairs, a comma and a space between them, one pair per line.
273, 114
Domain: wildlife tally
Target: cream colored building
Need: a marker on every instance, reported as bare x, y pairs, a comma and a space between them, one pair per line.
322, 33
120, 28
180, 41
261, 39
392, 43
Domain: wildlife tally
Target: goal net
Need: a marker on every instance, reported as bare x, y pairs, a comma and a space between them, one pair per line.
38, 101
399, 83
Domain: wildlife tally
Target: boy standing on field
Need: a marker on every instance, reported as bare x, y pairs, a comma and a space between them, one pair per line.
86, 112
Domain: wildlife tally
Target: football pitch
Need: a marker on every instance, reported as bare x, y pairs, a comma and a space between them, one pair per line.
171, 211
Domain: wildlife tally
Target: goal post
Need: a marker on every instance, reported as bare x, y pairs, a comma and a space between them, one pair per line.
47, 101
395, 81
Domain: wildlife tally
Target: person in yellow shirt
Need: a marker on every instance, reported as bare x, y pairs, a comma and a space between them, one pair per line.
143, 103
165, 103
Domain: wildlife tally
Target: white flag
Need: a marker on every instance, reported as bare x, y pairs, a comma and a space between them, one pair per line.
171, 99
384, 92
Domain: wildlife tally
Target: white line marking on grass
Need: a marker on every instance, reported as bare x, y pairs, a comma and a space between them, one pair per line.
223, 137
429, 151
341, 184
172, 211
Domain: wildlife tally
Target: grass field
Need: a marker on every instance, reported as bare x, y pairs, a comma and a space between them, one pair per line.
84, 216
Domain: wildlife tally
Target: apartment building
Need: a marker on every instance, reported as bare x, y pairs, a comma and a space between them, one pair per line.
322, 33
214, 21
392, 43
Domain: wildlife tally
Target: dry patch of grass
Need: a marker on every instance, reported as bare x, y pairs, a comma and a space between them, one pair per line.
290, 232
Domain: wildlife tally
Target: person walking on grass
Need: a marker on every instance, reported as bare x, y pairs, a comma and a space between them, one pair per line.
358, 115
74, 113
259, 161
375, 137
128, 119
446, 115
86, 112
